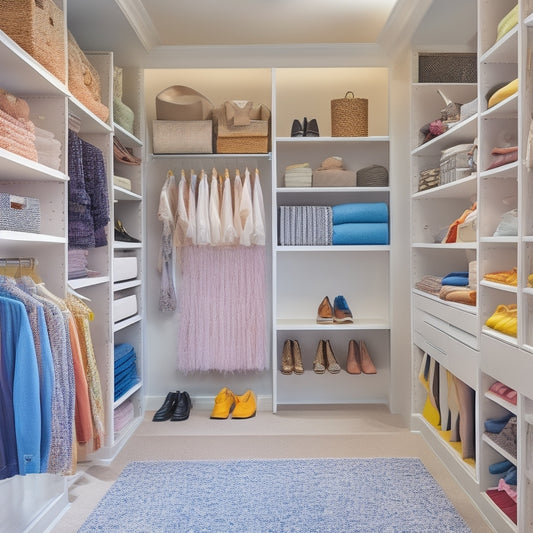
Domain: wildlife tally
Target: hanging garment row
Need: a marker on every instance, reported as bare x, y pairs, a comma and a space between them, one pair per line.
49, 383
216, 211
218, 226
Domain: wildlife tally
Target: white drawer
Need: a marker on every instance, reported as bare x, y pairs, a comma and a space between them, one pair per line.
124, 308
124, 268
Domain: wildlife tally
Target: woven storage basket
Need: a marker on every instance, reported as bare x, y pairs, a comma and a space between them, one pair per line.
250, 139
373, 176
447, 68
84, 80
37, 26
349, 116
19, 213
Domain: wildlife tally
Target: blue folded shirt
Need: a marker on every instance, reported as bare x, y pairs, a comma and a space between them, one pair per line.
360, 212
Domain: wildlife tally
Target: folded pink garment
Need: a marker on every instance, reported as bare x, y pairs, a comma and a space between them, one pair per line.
463, 295
16, 107
26, 150
503, 156
21, 123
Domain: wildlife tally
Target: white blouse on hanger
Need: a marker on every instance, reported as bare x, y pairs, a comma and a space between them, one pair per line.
229, 233
214, 211
245, 211
258, 211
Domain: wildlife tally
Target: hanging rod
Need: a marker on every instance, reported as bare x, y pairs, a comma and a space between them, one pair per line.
18, 261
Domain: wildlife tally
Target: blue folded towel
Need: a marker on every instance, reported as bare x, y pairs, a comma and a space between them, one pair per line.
121, 350
361, 233
360, 212
458, 279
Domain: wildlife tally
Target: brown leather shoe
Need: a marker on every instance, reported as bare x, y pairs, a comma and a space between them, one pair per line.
325, 312
353, 358
319, 364
332, 365
297, 358
367, 366
287, 361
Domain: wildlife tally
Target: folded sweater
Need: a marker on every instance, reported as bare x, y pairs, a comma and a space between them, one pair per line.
360, 212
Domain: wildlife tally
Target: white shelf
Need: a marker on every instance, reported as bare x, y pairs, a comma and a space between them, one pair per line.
87, 282
329, 140
486, 438
123, 285
335, 248
117, 326
127, 394
461, 188
91, 123
325, 190
23, 237
126, 196
504, 50
309, 324
462, 133
446, 246
499, 286
212, 156
500, 401
125, 136
16, 168
117, 245
507, 108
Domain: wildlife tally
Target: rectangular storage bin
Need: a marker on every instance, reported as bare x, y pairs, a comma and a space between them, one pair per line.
124, 308
455, 163
182, 137
250, 139
124, 268
19, 213
37, 26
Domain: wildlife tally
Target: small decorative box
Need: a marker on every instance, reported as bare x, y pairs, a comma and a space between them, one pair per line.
124, 307
19, 213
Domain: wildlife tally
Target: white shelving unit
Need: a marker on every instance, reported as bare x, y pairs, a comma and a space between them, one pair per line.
45, 494
304, 275
456, 335
50, 105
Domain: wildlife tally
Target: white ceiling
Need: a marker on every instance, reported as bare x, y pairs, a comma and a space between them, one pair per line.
157, 32
238, 22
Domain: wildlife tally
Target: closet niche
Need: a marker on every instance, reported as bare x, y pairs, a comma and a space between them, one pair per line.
297, 277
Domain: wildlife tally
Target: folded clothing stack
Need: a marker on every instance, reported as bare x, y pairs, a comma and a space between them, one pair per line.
48, 148
305, 225
332, 173
298, 175
429, 178
17, 131
125, 365
360, 223
123, 415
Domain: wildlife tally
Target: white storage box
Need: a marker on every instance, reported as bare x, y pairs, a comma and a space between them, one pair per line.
124, 308
124, 268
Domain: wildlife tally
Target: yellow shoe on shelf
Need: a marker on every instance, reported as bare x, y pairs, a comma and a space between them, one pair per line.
499, 314
246, 405
224, 403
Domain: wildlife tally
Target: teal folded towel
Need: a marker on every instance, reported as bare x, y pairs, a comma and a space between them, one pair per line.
360, 212
361, 233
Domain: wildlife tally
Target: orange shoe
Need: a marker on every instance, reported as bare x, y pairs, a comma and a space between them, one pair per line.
224, 403
246, 405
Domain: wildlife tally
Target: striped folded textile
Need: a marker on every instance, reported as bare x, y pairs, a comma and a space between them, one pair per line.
305, 225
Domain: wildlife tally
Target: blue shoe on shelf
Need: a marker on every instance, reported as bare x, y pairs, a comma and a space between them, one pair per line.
341, 311
500, 467
495, 425
511, 476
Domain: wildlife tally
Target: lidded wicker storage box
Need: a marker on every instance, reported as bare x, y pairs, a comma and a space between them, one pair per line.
37, 26
349, 116
253, 138
455, 163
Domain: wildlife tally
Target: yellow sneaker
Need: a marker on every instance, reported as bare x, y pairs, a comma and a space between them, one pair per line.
246, 406
224, 403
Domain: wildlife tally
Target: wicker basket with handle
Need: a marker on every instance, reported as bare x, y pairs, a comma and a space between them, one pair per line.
349, 116
37, 26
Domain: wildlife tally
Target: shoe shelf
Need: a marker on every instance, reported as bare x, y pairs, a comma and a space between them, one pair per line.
305, 324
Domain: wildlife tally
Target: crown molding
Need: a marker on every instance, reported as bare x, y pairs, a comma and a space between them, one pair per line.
268, 56
141, 22
402, 23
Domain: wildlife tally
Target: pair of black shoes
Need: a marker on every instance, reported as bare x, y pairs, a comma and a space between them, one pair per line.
176, 407
307, 129
122, 235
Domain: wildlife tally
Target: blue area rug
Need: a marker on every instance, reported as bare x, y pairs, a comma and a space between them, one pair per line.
276, 496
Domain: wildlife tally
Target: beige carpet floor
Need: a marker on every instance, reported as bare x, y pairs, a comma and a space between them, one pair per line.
355, 431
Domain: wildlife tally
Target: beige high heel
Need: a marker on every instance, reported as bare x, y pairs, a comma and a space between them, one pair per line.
319, 364
332, 365
367, 366
353, 365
